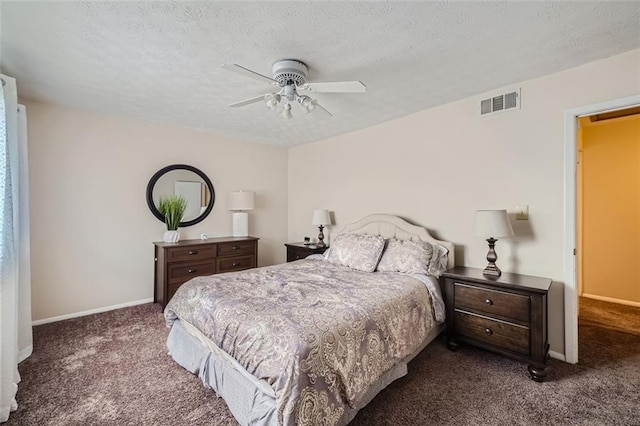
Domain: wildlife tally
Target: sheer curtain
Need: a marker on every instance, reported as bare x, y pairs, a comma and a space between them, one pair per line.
15, 275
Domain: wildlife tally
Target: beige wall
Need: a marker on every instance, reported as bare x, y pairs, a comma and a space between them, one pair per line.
91, 229
437, 166
611, 209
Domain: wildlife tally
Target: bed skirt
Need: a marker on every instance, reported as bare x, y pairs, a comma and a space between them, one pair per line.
252, 401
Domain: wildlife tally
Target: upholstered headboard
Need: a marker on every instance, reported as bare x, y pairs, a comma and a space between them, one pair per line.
389, 226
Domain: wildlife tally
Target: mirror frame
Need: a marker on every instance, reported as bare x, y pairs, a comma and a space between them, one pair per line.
160, 173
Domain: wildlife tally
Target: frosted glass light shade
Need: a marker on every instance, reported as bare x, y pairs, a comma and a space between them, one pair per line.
492, 224
321, 217
241, 200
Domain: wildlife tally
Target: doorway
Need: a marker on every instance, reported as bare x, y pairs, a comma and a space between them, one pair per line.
570, 213
608, 206
608, 221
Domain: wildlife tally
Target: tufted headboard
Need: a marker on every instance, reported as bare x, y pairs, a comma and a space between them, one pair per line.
390, 226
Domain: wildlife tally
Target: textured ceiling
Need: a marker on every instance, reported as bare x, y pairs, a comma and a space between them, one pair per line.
160, 61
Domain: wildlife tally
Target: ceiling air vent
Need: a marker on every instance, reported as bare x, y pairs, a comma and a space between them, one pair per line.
500, 103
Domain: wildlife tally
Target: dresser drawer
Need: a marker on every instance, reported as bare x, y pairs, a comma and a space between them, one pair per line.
493, 302
181, 272
177, 263
496, 333
171, 290
235, 263
191, 253
236, 249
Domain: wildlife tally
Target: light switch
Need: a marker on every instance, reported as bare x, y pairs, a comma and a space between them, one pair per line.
522, 212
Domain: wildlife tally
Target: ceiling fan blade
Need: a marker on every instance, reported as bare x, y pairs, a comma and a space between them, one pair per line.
244, 71
248, 101
317, 105
336, 87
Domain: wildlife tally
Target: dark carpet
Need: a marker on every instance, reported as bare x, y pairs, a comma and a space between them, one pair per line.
112, 369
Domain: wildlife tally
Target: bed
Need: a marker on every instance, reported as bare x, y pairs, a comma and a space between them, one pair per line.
313, 341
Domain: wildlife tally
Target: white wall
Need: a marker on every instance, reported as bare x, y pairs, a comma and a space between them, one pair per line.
91, 230
437, 166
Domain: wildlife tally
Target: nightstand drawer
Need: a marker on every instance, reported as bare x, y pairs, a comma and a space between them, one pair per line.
505, 335
235, 264
297, 251
236, 249
297, 254
492, 302
191, 253
181, 272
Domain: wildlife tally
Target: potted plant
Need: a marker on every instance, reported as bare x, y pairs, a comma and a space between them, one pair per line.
172, 208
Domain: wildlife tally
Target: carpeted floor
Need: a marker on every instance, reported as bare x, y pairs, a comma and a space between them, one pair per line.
112, 369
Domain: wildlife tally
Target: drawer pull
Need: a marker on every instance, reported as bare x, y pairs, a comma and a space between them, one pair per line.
489, 302
488, 331
235, 247
192, 252
192, 271
235, 264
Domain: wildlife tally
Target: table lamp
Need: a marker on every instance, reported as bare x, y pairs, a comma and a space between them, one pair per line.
490, 224
239, 202
321, 218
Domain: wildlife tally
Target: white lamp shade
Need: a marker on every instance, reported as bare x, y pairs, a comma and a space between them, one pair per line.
241, 200
492, 224
321, 217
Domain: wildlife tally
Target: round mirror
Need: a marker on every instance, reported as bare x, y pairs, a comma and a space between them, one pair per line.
180, 179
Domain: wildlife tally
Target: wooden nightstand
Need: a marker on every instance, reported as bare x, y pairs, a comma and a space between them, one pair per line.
296, 251
507, 315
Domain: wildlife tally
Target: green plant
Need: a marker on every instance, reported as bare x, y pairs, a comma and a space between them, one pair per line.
172, 208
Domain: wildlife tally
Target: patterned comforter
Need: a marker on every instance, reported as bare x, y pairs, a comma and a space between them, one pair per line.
320, 334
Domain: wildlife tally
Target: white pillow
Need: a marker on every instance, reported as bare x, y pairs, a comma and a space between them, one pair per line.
413, 257
357, 251
439, 260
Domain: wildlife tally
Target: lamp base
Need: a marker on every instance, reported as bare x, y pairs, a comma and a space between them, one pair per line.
240, 224
320, 242
492, 270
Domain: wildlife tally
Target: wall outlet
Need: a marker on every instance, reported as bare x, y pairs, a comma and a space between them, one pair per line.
522, 212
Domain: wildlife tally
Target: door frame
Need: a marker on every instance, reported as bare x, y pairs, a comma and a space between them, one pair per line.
570, 212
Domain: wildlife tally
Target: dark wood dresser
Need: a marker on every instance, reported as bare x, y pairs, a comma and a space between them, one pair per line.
297, 251
177, 263
506, 314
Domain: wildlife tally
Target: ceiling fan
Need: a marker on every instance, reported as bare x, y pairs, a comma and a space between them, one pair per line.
289, 77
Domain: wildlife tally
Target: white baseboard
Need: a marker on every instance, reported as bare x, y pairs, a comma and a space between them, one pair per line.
611, 299
25, 353
90, 312
557, 355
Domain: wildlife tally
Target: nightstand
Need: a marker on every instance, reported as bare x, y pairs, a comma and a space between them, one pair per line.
506, 315
296, 251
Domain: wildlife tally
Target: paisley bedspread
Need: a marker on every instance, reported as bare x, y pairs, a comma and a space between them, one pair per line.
316, 332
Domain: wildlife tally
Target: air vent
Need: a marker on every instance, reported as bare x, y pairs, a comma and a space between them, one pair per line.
500, 103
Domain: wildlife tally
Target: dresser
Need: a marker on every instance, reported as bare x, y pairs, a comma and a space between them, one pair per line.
296, 251
506, 315
177, 263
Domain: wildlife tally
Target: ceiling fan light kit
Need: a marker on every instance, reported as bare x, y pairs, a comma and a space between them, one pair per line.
290, 75
286, 111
